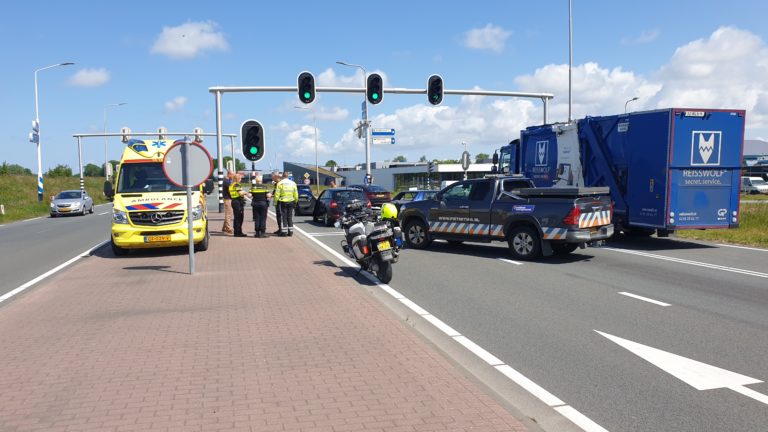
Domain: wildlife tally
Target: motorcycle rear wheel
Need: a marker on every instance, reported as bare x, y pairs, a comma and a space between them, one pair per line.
384, 272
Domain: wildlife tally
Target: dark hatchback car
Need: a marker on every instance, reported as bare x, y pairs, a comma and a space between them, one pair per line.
307, 200
331, 202
412, 195
377, 195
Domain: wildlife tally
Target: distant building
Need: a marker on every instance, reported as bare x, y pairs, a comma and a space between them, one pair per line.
396, 176
302, 172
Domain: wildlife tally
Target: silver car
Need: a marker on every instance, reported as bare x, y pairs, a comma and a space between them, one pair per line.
71, 202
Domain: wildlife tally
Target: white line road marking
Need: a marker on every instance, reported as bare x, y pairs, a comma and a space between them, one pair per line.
325, 234
696, 374
743, 247
101, 214
537, 391
10, 294
510, 261
645, 299
694, 263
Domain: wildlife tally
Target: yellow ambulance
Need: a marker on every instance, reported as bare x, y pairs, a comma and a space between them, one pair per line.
149, 211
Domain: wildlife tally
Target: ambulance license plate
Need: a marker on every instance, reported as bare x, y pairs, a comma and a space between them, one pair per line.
384, 245
157, 238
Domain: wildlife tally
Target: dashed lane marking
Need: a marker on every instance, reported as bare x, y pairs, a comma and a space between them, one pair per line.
645, 299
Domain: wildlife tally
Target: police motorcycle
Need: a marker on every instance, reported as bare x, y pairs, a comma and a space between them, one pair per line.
372, 238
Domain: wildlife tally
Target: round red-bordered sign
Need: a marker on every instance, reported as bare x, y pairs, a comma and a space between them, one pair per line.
199, 161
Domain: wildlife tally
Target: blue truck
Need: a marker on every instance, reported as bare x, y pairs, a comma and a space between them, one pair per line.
667, 169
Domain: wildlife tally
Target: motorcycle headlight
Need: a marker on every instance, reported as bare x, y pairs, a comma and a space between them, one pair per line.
197, 212
119, 217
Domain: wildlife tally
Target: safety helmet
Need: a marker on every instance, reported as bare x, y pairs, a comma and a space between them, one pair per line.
388, 211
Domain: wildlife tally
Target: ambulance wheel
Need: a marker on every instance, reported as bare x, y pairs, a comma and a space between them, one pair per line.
524, 243
117, 250
203, 245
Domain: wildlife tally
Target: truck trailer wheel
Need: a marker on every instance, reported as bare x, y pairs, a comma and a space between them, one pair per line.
524, 243
416, 234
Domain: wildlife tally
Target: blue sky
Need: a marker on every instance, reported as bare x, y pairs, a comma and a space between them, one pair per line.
161, 58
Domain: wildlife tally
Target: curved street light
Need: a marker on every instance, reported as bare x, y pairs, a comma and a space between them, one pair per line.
37, 124
631, 100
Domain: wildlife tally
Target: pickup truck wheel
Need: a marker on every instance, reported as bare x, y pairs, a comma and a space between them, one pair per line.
563, 248
416, 234
524, 244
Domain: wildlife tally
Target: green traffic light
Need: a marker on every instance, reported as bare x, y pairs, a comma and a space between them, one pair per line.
375, 96
253, 150
307, 95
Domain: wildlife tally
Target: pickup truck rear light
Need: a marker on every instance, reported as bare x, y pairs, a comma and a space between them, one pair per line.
572, 218
333, 204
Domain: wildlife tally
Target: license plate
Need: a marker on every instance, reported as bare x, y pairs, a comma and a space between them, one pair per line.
64, 210
384, 245
157, 238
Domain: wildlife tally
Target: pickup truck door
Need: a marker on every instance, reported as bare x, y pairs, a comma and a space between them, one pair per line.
480, 197
451, 214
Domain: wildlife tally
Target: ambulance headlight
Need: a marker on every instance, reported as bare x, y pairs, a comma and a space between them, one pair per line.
197, 212
119, 217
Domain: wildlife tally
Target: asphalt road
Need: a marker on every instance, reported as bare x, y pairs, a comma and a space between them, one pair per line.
543, 320
33, 247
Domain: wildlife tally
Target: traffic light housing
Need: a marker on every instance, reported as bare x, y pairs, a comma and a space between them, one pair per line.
374, 89
252, 139
306, 87
431, 167
435, 89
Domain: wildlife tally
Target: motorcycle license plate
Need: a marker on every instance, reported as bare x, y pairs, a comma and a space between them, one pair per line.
384, 245
157, 238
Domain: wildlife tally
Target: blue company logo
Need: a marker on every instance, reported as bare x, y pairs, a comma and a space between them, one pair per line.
705, 148
542, 149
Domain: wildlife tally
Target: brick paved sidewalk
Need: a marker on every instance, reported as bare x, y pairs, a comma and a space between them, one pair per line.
251, 342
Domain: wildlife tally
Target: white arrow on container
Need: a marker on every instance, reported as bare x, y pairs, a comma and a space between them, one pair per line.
698, 375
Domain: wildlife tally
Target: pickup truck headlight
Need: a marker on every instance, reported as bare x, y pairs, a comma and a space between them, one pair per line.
119, 217
197, 212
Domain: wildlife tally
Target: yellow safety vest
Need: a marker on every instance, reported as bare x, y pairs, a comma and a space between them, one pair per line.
234, 190
286, 191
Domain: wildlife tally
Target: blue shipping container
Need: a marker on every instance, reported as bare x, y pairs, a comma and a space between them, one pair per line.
667, 169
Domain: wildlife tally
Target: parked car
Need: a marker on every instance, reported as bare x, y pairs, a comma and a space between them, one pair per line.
71, 202
331, 202
753, 185
377, 195
307, 200
412, 195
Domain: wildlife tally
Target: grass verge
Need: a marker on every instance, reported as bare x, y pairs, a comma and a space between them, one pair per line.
752, 230
18, 194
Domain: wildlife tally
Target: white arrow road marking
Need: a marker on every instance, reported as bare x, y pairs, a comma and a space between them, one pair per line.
696, 374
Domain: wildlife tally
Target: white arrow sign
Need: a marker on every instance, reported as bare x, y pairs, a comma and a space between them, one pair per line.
698, 375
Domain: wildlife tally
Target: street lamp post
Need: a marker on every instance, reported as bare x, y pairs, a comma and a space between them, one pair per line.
365, 120
106, 156
37, 120
625, 103
317, 168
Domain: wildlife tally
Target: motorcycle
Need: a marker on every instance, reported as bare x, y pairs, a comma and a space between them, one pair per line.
372, 240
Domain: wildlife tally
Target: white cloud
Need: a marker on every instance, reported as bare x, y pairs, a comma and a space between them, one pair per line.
332, 114
176, 104
646, 36
328, 78
189, 40
490, 37
90, 77
300, 141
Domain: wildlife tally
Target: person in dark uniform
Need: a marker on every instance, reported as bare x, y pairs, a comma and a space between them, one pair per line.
238, 204
260, 202
275, 179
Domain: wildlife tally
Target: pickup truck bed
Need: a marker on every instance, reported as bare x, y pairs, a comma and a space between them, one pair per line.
534, 221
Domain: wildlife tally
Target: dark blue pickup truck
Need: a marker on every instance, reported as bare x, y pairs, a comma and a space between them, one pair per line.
534, 221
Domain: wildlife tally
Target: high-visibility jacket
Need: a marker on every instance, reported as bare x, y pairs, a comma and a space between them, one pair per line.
259, 193
234, 190
286, 191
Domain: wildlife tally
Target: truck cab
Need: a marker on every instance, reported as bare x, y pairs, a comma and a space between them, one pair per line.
149, 211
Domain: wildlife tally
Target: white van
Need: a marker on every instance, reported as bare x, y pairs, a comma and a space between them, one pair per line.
754, 185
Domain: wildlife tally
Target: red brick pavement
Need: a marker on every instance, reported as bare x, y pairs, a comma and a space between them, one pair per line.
251, 342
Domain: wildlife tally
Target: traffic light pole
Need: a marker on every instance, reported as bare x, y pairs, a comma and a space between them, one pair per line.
218, 91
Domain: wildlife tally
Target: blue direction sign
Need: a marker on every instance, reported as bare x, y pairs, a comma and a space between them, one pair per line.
383, 139
383, 132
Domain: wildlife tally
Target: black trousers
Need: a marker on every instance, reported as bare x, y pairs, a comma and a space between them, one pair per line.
260, 216
286, 214
279, 217
238, 208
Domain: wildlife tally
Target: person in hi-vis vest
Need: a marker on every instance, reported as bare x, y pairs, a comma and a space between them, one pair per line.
286, 196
